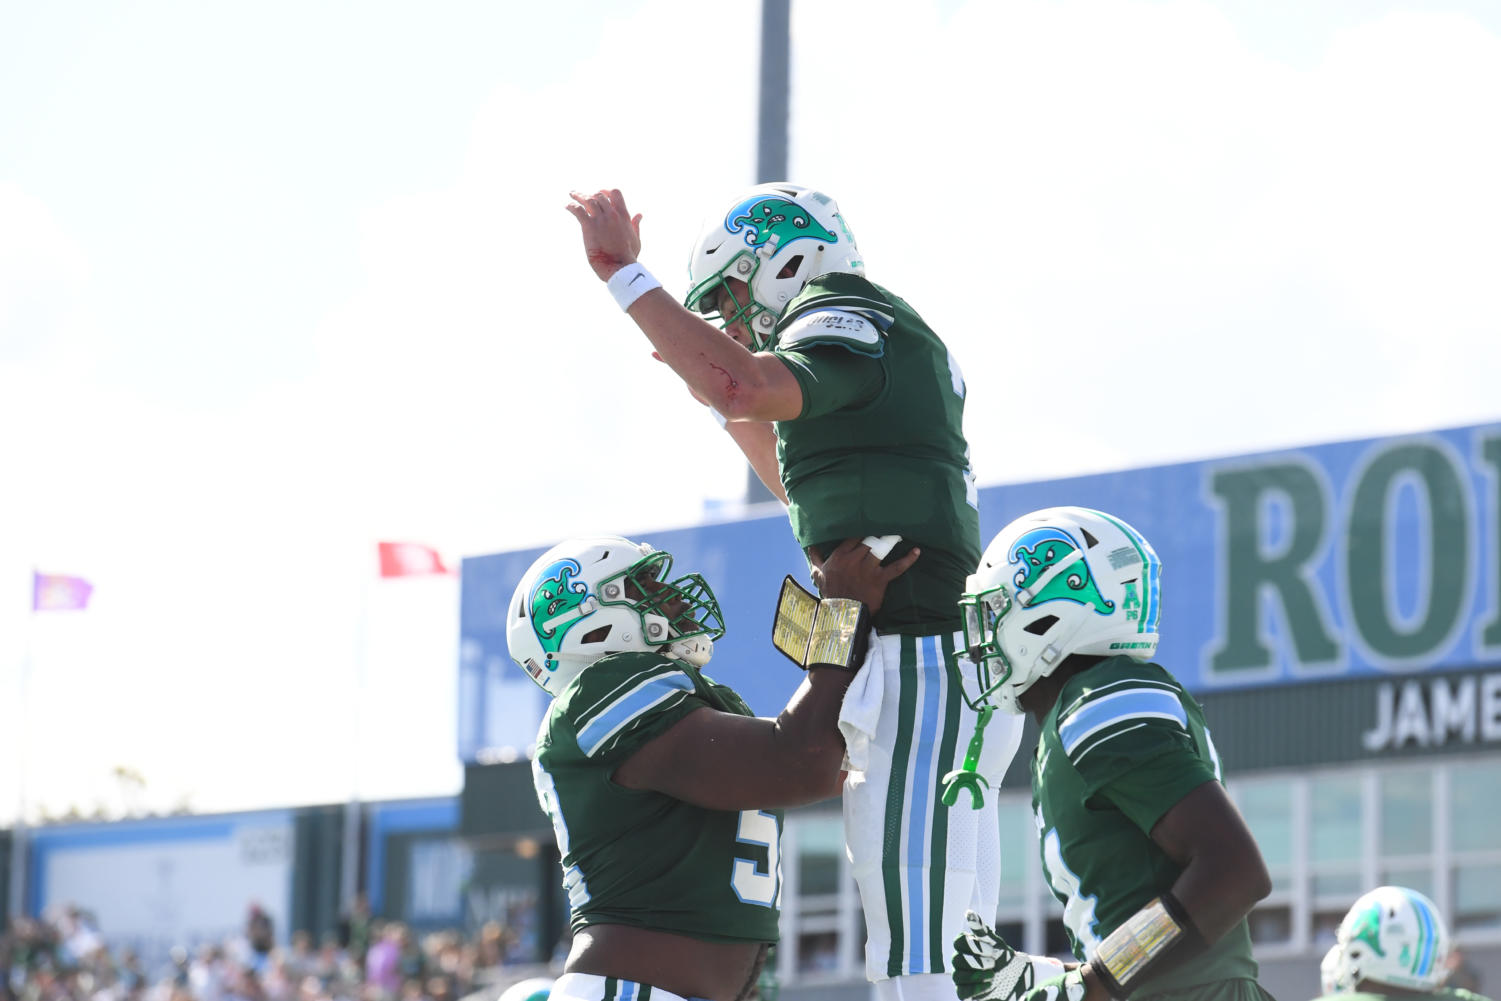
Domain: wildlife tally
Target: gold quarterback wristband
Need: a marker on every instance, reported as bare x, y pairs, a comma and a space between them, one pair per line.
831, 632
1158, 936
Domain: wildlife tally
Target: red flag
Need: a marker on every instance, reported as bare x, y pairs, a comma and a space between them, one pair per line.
409, 559
55, 592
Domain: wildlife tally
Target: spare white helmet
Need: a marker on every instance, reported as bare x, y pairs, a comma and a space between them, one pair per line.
1394, 936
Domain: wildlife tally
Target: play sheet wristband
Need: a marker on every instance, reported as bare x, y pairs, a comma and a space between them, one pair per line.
813, 632
1137, 948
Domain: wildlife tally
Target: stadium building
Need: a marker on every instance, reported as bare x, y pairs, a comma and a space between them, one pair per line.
1337, 610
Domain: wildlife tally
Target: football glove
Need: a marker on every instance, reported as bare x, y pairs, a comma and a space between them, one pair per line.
1069, 987
987, 969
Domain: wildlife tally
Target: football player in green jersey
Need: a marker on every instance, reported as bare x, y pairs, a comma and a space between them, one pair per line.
664, 790
849, 407
1154, 866
1391, 944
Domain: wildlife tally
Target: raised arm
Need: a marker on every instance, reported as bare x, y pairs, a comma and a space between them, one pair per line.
739, 384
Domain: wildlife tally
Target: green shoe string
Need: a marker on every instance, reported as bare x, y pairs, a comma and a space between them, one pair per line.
967, 778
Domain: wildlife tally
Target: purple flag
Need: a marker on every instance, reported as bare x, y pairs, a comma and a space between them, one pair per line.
53, 592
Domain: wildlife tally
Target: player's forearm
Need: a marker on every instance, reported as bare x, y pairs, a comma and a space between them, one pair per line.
806, 746
714, 366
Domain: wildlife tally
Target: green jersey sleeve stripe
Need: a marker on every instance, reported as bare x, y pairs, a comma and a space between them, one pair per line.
1100, 691
1090, 743
1133, 703
645, 697
613, 685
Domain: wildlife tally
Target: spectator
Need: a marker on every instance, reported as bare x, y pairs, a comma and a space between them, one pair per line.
411, 964
355, 928
36, 966
206, 975
383, 959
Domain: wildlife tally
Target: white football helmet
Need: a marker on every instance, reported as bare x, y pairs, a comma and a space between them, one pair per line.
585, 598
1053, 583
775, 238
1395, 936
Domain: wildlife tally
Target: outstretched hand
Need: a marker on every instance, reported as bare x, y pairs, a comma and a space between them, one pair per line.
612, 236
853, 571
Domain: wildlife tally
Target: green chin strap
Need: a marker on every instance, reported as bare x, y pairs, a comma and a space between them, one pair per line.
967, 778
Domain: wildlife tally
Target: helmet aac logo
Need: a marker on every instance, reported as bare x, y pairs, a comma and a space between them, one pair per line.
1042, 548
557, 604
761, 218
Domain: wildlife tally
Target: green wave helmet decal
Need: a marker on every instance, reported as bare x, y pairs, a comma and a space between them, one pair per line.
1042, 548
763, 217
558, 603
1367, 928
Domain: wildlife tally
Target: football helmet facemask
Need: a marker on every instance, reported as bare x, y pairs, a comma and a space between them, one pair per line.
585, 598
1053, 583
775, 238
1394, 936
1334, 976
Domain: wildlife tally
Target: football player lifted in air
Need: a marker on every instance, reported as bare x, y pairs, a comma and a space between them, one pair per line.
850, 409
1155, 868
665, 792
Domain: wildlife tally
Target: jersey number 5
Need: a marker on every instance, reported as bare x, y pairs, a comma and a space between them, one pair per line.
752, 884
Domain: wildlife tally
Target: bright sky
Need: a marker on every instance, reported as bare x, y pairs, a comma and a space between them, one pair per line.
280, 280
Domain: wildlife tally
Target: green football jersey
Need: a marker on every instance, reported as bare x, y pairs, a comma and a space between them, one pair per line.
1122, 745
895, 465
637, 857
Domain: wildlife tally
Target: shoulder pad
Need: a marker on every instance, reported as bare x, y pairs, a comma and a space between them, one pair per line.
832, 326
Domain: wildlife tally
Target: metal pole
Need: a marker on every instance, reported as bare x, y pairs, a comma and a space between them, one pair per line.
771, 144
19, 848
776, 44
349, 856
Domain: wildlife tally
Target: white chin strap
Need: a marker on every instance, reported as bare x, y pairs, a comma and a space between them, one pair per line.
696, 650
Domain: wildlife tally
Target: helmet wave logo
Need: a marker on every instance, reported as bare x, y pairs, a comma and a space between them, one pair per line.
558, 602
763, 218
1041, 549
1367, 929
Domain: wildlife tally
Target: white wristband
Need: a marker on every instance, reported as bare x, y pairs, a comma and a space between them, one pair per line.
719, 417
631, 283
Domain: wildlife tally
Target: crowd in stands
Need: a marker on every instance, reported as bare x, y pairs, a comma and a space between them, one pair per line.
64, 957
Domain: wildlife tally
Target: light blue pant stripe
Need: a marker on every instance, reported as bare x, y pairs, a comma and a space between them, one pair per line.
918, 810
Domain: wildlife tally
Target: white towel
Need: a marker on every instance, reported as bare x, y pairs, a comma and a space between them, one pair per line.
861, 709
